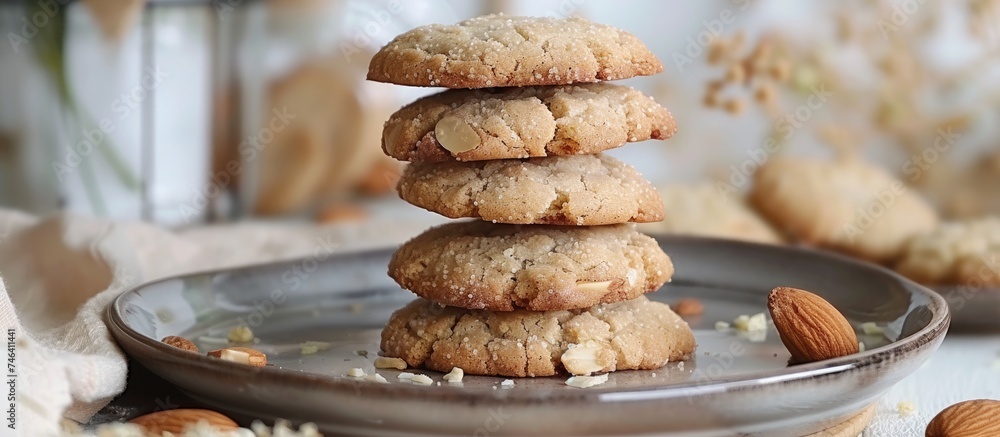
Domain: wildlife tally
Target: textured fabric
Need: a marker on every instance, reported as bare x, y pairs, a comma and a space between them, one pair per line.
58, 274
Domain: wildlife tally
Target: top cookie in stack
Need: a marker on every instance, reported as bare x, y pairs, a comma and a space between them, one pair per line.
523, 148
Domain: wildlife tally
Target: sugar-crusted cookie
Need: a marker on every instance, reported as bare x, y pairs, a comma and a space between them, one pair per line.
703, 211
503, 51
961, 253
474, 125
499, 267
561, 190
845, 205
635, 334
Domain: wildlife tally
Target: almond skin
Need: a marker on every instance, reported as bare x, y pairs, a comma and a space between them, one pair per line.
180, 343
809, 326
688, 307
976, 418
176, 421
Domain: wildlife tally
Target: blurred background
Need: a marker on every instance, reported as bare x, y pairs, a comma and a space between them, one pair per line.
187, 112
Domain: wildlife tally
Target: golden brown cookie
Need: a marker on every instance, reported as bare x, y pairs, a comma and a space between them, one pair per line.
561, 190
845, 205
635, 334
482, 265
702, 210
475, 125
504, 51
962, 253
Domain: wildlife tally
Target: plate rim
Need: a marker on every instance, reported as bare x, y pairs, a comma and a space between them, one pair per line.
933, 332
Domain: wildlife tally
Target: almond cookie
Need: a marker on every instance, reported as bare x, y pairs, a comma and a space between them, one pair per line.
475, 125
502, 51
635, 334
561, 190
962, 253
845, 205
481, 265
703, 210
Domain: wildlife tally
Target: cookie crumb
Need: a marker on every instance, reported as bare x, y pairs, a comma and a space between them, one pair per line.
356, 372
507, 383
455, 375
586, 381
240, 334
754, 323
906, 408
421, 380
311, 347
377, 378
870, 328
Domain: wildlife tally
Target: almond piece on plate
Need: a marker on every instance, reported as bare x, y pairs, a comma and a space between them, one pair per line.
809, 326
177, 421
688, 307
975, 418
242, 355
180, 343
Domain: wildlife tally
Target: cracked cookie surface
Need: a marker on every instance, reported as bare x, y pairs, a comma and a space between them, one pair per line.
581, 190
527, 122
506, 51
482, 265
635, 334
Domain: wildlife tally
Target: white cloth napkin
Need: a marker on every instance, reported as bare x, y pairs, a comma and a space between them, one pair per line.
58, 274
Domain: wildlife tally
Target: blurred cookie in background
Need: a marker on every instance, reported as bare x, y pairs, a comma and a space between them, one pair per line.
963, 253
964, 192
702, 210
323, 128
844, 205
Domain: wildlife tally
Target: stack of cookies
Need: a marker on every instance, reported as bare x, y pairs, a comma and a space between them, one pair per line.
551, 276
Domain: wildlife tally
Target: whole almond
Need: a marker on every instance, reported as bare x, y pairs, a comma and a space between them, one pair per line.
177, 421
809, 326
180, 343
242, 355
688, 307
975, 418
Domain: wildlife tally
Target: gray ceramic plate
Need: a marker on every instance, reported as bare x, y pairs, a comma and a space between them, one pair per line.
972, 308
736, 384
